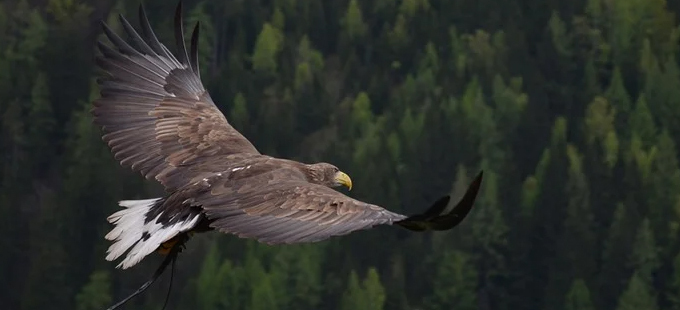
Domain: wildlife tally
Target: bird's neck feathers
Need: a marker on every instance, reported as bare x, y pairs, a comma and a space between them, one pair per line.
313, 174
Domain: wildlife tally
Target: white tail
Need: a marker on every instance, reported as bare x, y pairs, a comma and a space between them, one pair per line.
141, 239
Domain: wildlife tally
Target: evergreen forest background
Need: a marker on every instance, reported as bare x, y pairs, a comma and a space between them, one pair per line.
572, 108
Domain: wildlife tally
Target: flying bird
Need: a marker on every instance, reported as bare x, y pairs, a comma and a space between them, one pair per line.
158, 119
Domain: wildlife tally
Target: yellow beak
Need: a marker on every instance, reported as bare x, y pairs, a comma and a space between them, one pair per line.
343, 178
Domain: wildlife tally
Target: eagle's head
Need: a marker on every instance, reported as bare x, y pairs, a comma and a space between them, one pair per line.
328, 175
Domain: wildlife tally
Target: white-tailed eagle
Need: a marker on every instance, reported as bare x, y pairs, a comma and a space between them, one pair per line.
158, 119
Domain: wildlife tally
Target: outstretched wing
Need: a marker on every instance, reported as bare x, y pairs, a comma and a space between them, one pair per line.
154, 111
279, 207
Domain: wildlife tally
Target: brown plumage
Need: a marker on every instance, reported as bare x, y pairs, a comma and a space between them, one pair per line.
158, 119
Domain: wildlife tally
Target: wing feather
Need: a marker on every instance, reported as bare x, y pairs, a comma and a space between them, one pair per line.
280, 207
150, 36
179, 36
137, 40
155, 113
194, 48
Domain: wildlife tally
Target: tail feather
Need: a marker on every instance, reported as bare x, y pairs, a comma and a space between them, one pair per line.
135, 234
129, 217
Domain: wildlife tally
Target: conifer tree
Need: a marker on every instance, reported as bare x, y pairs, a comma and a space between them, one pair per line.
578, 297
638, 295
454, 283
96, 294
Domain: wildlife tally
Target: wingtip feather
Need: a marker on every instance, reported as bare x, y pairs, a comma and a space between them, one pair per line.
433, 219
179, 36
194, 48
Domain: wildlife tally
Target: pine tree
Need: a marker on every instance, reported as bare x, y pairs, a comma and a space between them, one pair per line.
547, 222
602, 155
644, 258
353, 22
669, 93
263, 296
619, 98
638, 295
488, 241
206, 49
86, 161
673, 288
353, 297
48, 285
662, 198
642, 122
267, 47
454, 283
239, 115
96, 294
373, 290
40, 132
614, 274
578, 297
560, 38
217, 282
299, 270
600, 131
578, 239
590, 80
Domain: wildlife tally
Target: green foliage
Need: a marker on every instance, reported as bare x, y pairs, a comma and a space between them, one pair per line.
96, 293
411, 7
570, 108
599, 123
239, 113
353, 296
367, 295
673, 291
578, 297
579, 237
310, 64
267, 48
644, 258
218, 283
64, 10
454, 283
305, 277
638, 295
509, 102
559, 34
642, 123
374, 291
362, 116
353, 21
618, 96
489, 231
664, 178
263, 296
32, 38
617, 246
206, 49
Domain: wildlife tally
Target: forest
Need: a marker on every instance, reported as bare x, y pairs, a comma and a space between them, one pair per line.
567, 106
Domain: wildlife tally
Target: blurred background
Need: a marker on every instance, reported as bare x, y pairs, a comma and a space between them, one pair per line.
572, 109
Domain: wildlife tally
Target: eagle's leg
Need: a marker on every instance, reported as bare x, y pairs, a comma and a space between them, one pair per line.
165, 247
176, 245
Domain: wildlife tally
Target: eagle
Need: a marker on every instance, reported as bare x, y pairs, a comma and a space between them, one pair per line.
158, 119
